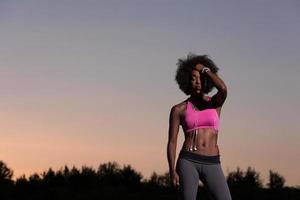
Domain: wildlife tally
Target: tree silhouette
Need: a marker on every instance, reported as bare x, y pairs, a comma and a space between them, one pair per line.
49, 177
21, 186
252, 178
109, 174
248, 179
73, 178
160, 180
276, 181
130, 176
6, 184
5, 173
110, 181
88, 176
65, 171
35, 182
235, 178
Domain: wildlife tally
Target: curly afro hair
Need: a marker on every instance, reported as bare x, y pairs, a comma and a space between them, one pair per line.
184, 71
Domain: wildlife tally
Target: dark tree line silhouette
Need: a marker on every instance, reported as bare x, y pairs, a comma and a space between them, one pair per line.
110, 181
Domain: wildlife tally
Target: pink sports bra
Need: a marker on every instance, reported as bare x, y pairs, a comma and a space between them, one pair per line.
194, 119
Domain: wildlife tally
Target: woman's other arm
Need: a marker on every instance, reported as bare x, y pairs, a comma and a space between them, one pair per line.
174, 121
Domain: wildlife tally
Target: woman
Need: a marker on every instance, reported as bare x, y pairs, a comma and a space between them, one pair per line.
199, 116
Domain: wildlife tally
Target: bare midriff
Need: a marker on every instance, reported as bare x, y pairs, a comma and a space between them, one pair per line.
202, 141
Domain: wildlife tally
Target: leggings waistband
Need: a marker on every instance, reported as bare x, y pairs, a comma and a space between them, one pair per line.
200, 158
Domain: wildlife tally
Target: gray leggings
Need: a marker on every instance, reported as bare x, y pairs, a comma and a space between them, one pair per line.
191, 169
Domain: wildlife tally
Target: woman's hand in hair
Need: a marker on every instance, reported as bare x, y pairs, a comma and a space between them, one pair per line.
199, 67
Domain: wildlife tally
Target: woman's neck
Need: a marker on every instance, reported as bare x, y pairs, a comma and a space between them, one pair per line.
198, 101
197, 97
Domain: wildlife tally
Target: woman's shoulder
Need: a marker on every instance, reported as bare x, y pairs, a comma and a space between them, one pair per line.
180, 107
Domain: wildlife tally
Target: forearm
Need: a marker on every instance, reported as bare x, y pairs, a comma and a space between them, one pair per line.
217, 81
171, 153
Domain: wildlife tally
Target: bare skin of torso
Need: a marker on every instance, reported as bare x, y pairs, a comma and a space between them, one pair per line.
206, 140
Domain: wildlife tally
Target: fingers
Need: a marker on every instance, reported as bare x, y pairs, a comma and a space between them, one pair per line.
175, 179
176, 182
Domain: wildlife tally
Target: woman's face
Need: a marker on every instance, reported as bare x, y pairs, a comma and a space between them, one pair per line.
195, 82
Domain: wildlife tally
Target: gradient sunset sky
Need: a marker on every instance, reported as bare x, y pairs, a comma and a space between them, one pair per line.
87, 82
